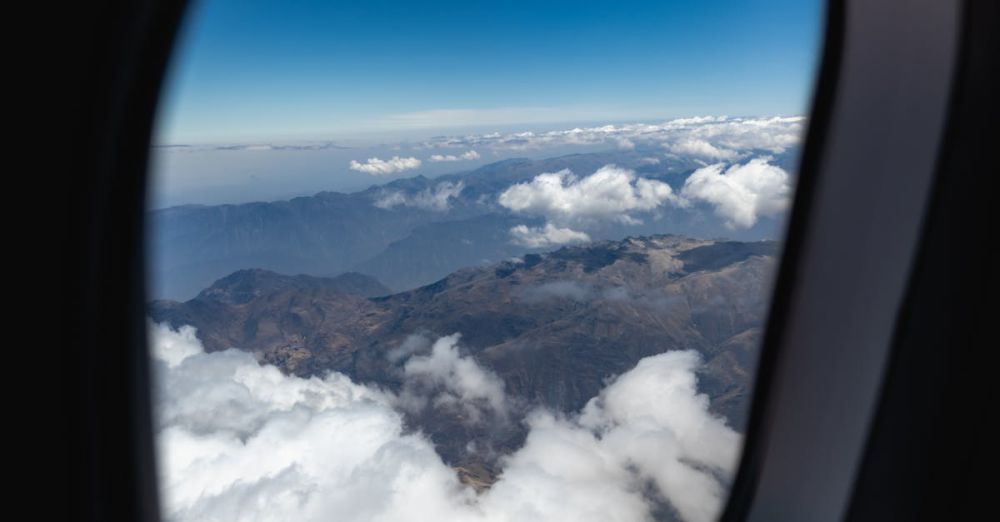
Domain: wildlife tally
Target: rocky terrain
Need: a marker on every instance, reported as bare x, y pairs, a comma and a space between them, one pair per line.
553, 327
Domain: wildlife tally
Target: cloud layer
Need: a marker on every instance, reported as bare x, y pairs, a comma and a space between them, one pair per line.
379, 167
241, 441
743, 193
708, 137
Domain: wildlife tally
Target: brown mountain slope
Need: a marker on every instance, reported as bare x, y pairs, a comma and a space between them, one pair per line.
553, 327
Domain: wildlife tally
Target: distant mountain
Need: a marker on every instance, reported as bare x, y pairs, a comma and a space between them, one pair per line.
434, 250
552, 326
244, 286
407, 233
323, 234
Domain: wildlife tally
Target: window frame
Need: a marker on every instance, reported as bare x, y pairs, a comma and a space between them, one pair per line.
879, 58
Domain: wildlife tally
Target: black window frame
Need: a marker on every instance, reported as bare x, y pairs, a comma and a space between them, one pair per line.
915, 454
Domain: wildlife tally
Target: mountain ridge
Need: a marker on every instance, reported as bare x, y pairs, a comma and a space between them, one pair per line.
333, 232
552, 326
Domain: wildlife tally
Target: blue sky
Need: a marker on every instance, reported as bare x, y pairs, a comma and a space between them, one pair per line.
256, 70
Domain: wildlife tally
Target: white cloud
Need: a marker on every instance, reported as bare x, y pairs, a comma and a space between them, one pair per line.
610, 193
434, 198
241, 441
649, 424
447, 379
379, 167
468, 155
173, 347
238, 440
545, 236
742, 193
700, 149
775, 134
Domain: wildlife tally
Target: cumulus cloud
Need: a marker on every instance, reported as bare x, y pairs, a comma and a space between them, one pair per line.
173, 347
238, 440
468, 155
379, 167
434, 198
444, 378
652, 417
610, 193
648, 426
741, 193
567, 201
545, 236
241, 441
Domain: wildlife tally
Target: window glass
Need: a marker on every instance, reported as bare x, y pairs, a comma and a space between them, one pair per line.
467, 261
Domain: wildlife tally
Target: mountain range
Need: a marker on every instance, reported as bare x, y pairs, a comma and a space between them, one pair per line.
552, 326
406, 233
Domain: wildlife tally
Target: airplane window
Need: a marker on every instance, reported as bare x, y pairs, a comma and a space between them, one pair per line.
468, 261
